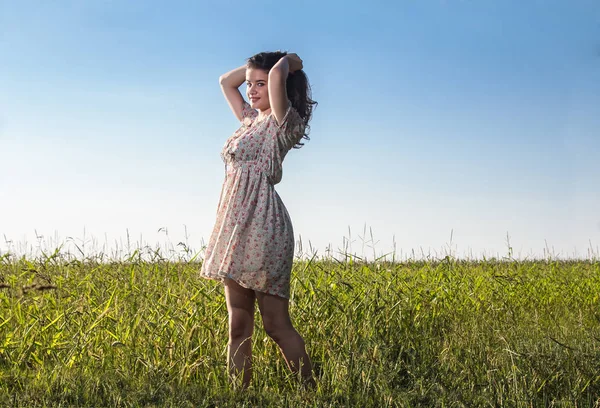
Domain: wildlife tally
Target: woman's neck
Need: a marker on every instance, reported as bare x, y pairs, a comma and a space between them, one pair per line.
263, 114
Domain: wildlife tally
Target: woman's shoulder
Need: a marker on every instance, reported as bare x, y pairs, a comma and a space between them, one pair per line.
248, 114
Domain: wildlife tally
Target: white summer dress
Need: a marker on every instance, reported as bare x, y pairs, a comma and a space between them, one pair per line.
253, 240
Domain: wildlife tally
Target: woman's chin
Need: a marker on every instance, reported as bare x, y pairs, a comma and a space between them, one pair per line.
258, 106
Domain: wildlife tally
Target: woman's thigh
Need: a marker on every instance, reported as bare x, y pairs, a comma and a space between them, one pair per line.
274, 311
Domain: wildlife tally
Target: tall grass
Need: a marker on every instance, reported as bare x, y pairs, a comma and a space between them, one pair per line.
147, 331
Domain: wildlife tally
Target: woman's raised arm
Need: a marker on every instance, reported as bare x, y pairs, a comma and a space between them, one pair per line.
278, 96
230, 83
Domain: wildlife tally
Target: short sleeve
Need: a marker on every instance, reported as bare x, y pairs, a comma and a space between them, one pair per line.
291, 129
248, 114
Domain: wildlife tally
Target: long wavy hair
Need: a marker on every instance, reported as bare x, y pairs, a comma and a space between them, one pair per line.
297, 86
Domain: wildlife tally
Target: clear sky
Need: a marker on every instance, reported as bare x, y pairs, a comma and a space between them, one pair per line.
436, 118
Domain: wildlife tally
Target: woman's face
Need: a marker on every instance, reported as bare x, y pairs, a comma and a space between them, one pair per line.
257, 90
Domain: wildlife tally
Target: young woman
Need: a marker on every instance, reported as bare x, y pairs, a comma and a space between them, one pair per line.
251, 248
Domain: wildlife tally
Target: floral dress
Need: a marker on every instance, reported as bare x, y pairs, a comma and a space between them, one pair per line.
253, 240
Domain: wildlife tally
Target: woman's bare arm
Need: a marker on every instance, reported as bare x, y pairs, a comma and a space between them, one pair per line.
230, 83
278, 97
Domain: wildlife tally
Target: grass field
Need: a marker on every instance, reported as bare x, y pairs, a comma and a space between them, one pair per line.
150, 332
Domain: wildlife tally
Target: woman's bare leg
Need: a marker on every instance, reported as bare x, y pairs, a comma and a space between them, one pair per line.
240, 306
278, 325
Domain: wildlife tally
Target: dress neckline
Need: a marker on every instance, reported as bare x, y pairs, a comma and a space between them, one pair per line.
256, 120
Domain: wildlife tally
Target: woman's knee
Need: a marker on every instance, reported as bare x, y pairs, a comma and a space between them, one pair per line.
278, 329
241, 324
275, 316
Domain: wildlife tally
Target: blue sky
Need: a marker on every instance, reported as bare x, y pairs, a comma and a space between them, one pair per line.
479, 118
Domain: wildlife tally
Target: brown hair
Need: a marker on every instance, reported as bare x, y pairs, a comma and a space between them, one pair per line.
297, 86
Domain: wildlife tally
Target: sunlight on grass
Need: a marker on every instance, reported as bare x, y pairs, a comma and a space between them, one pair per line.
84, 330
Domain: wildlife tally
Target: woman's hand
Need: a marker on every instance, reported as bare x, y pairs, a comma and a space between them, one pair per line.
294, 62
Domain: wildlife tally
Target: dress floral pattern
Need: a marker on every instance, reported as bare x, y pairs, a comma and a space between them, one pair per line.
253, 240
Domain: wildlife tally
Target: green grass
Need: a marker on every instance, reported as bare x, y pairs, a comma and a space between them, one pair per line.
414, 333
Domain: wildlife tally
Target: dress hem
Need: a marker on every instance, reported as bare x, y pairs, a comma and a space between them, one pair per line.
220, 278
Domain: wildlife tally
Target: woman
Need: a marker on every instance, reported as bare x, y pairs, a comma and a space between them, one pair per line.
251, 248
